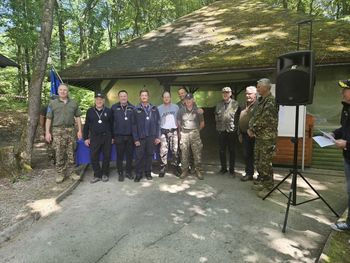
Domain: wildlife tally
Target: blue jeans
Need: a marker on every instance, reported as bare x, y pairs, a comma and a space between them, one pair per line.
347, 176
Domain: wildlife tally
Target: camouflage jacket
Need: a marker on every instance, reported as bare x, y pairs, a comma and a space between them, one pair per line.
265, 118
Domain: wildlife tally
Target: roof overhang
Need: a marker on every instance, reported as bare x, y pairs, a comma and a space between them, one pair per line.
95, 82
6, 62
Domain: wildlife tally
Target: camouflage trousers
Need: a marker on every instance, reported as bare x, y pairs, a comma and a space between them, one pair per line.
169, 142
263, 153
191, 140
50, 152
64, 144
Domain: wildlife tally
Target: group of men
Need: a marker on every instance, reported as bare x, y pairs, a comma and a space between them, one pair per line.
132, 129
255, 123
176, 127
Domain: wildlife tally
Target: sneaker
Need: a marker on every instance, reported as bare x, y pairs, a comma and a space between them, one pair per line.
162, 171
199, 175
95, 180
59, 179
246, 178
105, 178
75, 176
184, 175
223, 171
340, 226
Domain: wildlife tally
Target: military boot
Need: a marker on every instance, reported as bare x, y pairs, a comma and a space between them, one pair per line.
184, 174
59, 178
162, 171
258, 186
199, 175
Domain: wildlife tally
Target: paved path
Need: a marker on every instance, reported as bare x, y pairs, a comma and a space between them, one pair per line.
219, 219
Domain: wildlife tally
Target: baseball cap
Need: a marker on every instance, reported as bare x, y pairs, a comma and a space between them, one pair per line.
189, 96
226, 89
264, 82
345, 84
99, 95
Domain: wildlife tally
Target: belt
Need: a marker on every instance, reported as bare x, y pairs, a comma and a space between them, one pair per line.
165, 131
101, 134
64, 127
189, 130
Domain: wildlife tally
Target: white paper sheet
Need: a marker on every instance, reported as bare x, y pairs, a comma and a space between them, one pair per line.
323, 141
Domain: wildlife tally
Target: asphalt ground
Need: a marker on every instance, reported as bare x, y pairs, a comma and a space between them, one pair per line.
218, 219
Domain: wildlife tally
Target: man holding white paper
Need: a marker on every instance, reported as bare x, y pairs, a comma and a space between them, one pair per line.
342, 141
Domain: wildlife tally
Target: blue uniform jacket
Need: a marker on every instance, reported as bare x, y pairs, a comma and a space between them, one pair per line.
139, 124
122, 126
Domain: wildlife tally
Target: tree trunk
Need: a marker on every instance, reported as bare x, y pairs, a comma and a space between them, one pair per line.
299, 5
39, 70
311, 7
27, 60
62, 38
285, 4
21, 79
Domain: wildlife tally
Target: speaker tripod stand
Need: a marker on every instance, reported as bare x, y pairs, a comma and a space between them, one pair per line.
292, 197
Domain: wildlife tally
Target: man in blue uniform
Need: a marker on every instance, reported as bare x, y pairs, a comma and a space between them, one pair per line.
98, 136
123, 114
146, 133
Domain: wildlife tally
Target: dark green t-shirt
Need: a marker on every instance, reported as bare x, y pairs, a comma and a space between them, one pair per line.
62, 114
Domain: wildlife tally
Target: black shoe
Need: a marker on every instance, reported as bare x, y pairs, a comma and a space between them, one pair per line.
105, 178
223, 171
121, 177
162, 171
233, 173
178, 171
95, 180
129, 175
137, 178
246, 178
149, 177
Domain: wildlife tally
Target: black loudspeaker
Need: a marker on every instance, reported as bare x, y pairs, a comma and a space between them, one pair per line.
295, 78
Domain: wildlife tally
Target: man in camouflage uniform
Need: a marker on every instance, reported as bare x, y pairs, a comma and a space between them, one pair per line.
263, 126
190, 122
61, 115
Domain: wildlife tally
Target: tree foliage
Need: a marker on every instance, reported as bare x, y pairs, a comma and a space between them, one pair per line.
82, 28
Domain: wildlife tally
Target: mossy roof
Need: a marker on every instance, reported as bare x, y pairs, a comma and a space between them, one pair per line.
6, 62
226, 35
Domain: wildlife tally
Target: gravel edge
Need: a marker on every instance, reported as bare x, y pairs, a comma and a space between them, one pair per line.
8, 233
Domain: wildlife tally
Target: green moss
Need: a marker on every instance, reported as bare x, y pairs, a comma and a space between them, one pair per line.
338, 249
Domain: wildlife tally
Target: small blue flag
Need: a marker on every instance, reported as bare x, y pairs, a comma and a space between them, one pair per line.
55, 82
